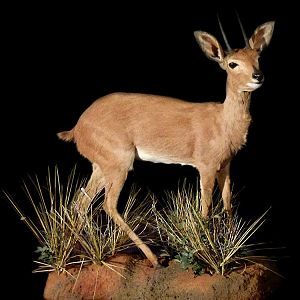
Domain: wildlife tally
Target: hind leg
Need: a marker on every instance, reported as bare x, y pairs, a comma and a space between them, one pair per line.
115, 182
95, 184
115, 172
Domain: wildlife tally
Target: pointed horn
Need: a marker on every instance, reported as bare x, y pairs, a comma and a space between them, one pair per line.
243, 31
224, 36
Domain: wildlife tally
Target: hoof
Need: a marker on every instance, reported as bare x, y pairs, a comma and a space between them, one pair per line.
162, 263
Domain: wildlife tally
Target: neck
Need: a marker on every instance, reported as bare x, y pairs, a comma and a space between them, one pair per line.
236, 117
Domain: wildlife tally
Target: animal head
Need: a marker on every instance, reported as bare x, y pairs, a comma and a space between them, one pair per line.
241, 65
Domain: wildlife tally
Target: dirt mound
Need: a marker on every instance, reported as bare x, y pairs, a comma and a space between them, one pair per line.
144, 282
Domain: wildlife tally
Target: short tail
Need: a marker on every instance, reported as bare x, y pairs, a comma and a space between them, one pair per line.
67, 136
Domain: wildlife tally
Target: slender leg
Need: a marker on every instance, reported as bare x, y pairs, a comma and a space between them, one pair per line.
110, 206
207, 182
95, 185
223, 177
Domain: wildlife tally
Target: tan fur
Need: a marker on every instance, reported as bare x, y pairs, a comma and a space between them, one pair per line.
120, 127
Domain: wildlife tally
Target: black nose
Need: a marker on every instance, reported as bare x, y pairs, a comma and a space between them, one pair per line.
258, 75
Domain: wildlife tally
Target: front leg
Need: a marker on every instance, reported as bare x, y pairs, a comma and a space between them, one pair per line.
223, 177
207, 182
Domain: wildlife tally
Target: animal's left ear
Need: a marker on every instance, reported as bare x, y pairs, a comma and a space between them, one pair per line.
262, 36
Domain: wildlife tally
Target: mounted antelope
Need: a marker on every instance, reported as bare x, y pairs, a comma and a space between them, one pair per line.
119, 128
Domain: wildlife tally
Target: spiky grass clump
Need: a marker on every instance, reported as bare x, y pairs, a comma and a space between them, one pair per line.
53, 219
217, 245
67, 238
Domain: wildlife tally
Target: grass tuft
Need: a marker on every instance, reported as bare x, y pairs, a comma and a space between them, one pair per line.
66, 238
53, 218
217, 245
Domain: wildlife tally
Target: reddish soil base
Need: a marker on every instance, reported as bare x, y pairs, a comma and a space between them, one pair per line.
144, 282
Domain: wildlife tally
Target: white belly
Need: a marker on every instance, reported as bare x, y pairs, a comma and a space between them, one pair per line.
165, 159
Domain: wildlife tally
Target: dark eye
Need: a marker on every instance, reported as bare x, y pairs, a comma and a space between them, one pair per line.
232, 65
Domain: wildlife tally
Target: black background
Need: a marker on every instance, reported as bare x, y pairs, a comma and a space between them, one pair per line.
57, 60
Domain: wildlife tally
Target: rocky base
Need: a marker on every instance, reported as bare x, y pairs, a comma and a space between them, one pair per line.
141, 281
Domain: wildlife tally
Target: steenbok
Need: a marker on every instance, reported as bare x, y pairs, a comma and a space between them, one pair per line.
121, 127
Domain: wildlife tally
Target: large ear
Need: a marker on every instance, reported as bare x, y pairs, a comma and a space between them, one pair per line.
210, 46
262, 36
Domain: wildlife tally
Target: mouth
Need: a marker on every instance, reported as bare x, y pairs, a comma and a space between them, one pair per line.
254, 85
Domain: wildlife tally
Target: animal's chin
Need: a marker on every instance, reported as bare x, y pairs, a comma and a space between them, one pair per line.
251, 86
